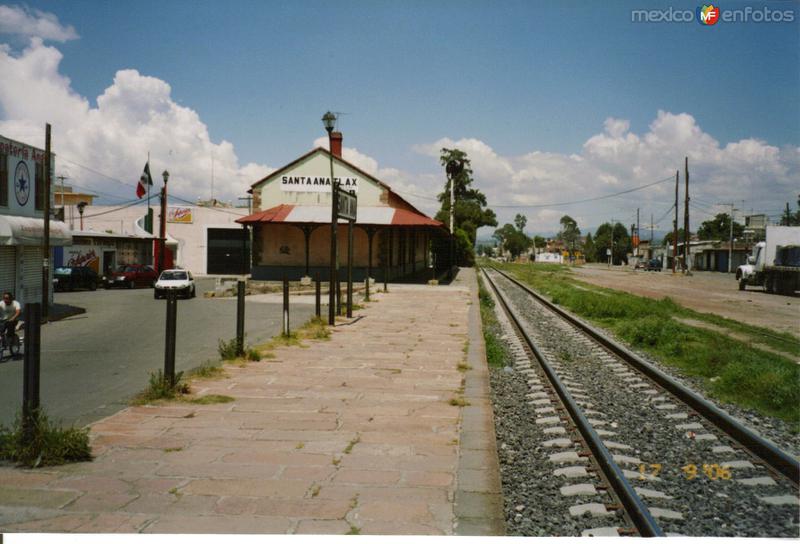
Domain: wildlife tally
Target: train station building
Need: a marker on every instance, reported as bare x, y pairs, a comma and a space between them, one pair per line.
291, 225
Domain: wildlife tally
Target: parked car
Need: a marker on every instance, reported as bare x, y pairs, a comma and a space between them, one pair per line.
180, 281
653, 264
69, 278
132, 275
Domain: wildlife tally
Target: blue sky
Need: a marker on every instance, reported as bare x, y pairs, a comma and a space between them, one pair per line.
520, 77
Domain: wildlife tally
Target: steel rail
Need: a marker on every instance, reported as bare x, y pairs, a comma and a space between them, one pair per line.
635, 508
777, 459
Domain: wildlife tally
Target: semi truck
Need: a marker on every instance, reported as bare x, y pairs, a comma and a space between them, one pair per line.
774, 263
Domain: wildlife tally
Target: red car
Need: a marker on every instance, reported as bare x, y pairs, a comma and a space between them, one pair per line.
132, 275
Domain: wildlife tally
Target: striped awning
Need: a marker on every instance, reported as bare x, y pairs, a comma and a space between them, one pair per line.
367, 215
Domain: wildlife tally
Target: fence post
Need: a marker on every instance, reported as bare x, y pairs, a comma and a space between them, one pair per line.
169, 344
338, 297
317, 298
31, 366
240, 318
285, 306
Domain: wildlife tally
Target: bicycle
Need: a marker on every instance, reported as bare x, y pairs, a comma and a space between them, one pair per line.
11, 343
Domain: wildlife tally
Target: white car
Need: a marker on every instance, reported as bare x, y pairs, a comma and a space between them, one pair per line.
180, 281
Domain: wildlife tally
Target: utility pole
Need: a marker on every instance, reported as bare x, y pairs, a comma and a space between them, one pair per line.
652, 226
249, 200
730, 243
686, 219
46, 240
611, 255
637, 232
675, 226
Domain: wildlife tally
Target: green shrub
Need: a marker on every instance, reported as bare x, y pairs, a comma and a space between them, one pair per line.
228, 351
48, 444
253, 354
159, 388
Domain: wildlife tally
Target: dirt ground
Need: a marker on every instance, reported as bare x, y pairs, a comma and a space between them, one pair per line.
708, 292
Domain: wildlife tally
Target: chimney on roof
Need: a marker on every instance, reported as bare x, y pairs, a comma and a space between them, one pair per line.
336, 144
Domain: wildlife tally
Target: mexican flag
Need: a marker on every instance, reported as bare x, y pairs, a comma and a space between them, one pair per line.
144, 181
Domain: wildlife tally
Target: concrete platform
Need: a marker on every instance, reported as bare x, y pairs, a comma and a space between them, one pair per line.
362, 433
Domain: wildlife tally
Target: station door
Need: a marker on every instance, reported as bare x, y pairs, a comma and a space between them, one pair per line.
228, 251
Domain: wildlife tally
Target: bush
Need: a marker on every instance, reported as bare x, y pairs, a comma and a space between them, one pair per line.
253, 354
229, 350
48, 444
159, 388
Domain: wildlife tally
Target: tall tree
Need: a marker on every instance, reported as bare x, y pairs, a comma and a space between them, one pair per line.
719, 228
471, 211
569, 232
589, 249
512, 239
520, 221
621, 242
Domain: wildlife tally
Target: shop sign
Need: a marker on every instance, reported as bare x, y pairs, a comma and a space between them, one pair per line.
179, 215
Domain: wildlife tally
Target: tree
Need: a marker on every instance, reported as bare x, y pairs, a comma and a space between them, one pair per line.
719, 228
589, 249
512, 239
668, 238
520, 221
471, 211
603, 239
569, 232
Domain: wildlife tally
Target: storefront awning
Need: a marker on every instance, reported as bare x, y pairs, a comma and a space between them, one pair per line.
367, 215
29, 231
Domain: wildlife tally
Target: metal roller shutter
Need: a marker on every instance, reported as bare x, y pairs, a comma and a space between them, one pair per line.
8, 267
31, 274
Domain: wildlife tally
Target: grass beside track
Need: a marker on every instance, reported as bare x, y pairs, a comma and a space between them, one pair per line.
732, 370
496, 351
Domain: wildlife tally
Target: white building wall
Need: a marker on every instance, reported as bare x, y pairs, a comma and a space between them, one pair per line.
190, 239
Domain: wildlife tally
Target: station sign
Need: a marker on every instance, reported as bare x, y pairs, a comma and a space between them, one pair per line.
347, 204
316, 184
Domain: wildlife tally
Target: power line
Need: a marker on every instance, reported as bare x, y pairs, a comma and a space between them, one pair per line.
128, 205
593, 199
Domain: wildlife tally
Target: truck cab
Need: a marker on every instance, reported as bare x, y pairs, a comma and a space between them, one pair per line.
754, 266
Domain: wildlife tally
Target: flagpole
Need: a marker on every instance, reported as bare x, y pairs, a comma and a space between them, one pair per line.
149, 216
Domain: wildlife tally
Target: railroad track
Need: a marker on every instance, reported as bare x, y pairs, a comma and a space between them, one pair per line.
634, 449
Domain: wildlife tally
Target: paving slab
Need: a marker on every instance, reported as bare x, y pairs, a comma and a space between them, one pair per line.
354, 432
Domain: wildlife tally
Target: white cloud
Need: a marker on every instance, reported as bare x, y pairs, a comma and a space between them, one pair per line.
616, 159
135, 115
24, 22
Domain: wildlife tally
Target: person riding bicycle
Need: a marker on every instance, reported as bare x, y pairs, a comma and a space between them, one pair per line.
10, 311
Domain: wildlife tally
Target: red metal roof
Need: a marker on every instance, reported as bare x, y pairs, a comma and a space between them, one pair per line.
368, 215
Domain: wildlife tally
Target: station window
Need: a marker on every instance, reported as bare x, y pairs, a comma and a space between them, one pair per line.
39, 186
4, 180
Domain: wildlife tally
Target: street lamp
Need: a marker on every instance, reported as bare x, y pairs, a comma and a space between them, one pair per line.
329, 122
81, 207
162, 234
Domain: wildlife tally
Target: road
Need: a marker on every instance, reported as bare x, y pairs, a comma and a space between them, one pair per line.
92, 363
711, 292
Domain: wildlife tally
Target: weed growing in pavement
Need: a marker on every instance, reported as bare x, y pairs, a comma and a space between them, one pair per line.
463, 367
47, 445
160, 388
300, 446
228, 351
352, 444
353, 530
206, 371
172, 450
733, 370
211, 399
253, 355
459, 401
315, 489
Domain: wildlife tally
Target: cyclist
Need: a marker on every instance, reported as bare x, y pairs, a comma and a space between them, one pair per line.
10, 311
